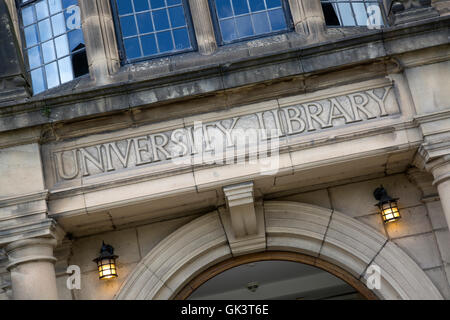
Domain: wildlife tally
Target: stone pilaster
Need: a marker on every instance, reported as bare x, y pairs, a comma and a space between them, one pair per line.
99, 35
440, 169
31, 264
13, 79
309, 20
204, 31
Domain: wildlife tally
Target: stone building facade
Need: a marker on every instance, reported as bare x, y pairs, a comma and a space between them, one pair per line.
125, 152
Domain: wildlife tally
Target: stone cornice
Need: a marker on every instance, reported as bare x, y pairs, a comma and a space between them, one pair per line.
431, 117
23, 198
187, 82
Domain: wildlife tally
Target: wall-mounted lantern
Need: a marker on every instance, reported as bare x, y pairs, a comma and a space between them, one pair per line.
388, 206
106, 262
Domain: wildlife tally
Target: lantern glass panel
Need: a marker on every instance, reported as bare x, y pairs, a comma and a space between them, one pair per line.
390, 211
107, 268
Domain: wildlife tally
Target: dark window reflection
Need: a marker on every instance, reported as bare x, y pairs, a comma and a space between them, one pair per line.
54, 42
331, 18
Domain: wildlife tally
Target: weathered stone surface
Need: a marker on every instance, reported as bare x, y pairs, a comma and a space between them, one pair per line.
13, 80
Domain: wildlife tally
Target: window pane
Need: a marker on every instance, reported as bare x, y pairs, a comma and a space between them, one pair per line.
161, 20
37, 80
51, 73
228, 30
149, 45
164, 41
261, 22
277, 20
240, 6
132, 48
41, 10
157, 4
55, 6
65, 70
173, 2
128, 26
181, 38
140, 5
58, 24
45, 31
244, 26
224, 8
257, 5
48, 51
346, 14
67, 3
273, 4
28, 16
34, 57
76, 41
124, 6
360, 13
177, 17
31, 35
62, 46
144, 22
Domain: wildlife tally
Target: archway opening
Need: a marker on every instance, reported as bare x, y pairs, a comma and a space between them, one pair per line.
275, 275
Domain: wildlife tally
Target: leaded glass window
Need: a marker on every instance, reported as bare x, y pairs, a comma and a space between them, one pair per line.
243, 19
150, 28
53, 42
345, 13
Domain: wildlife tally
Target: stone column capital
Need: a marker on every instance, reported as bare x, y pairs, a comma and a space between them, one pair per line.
431, 156
30, 250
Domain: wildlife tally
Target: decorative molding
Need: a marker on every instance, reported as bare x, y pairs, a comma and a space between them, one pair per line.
240, 203
23, 198
244, 220
290, 227
297, 115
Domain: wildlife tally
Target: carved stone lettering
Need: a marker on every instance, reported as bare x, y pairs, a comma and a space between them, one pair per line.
211, 137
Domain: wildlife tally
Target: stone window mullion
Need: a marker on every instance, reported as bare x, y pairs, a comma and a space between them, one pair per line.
308, 18
203, 26
99, 34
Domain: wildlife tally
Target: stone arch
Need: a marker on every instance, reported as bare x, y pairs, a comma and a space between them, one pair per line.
291, 227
